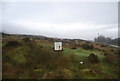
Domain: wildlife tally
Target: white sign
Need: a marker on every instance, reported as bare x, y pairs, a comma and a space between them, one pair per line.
57, 45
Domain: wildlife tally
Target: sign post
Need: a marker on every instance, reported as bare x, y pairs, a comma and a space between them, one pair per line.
57, 46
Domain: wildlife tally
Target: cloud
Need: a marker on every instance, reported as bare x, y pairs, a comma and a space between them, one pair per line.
74, 30
63, 20
60, 0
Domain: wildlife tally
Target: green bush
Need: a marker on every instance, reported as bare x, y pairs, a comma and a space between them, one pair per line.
87, 46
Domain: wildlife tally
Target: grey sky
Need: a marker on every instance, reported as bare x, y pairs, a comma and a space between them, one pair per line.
83, 20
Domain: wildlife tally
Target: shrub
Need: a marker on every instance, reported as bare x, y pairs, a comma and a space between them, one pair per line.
73, 48
102, 45
105, 54
87, 46
26, 39
13, 43
112, 50
93, 58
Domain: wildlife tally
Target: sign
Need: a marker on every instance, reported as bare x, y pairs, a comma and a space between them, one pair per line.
57, 45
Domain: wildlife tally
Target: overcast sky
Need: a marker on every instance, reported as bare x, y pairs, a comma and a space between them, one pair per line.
74, 20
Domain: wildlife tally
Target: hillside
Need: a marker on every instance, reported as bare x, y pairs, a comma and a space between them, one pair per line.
33, 57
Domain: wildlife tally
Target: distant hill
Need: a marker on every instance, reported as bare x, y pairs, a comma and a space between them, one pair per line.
41, 37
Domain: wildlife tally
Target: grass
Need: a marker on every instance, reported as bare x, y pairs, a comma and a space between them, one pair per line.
19, 59
43, 62
108, 69
83, 53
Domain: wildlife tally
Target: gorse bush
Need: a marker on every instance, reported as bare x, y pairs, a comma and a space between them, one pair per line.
93, 58
12, 43
87, 46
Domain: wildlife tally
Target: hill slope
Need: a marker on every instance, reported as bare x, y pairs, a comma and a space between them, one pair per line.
25, 57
